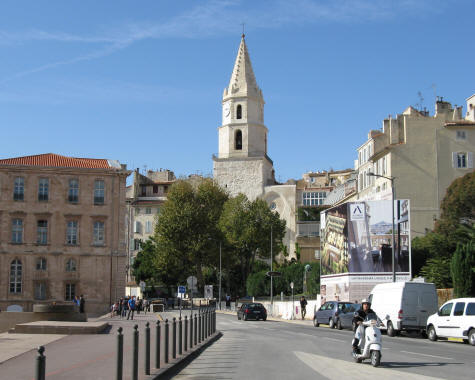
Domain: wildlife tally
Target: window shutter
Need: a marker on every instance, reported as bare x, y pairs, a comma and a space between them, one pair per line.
470, 160
454, 159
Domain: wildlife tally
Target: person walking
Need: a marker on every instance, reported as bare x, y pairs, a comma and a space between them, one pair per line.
82, 304
131, 305
303, 306
124, 307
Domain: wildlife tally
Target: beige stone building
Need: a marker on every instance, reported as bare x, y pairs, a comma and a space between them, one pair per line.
62, 231
424, 153
144, 198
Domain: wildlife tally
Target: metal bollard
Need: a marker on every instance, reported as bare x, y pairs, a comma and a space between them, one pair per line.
147, 348
167, 338
174, 338
207, 324
191, 332
196, 329
40, 364
199, 327
186, 333
180, 336
135, 358
157, 346
120, 354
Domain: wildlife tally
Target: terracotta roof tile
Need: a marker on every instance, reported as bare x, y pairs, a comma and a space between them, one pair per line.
55, 160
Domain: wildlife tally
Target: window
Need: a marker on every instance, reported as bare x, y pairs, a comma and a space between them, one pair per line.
144, 191
238, 140
15, 276
148, 210
71, 265
43, 189
70, 292
42, 232
137, 228
137, 211
73, 191
148, 227
17, 231
40, 291
19, 189
99, 192
461, 160
384, 167
136, 244
239, 112
72, 232
459, 307
41, 264
445, 310
313, 198
461, 135
155, 189
98, 233
470, 309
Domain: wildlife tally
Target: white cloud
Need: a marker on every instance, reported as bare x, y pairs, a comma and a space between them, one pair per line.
217, 18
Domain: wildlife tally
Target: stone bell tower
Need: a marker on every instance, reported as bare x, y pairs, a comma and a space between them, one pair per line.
242, 164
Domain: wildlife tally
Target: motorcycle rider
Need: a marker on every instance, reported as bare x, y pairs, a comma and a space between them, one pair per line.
360, 316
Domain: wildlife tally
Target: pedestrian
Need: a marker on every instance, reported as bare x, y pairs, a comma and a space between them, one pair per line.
303, 306
124, 307
138, 305
228, 301
82, 304
114, 307
145, 306
131, 305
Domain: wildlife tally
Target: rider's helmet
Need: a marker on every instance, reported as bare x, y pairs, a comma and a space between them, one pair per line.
365, 301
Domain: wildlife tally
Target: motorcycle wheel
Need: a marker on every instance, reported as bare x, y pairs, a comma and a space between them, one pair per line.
375, 358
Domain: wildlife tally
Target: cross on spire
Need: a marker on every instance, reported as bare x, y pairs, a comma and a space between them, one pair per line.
243, 24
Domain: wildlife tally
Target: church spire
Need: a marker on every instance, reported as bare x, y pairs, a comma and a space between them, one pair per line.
243, 81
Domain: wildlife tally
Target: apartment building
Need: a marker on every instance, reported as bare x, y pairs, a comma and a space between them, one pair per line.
144, 198
62, 231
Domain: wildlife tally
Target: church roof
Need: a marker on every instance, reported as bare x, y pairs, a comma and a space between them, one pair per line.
243, 80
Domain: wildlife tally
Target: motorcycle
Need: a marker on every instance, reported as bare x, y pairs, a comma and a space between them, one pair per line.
372, 341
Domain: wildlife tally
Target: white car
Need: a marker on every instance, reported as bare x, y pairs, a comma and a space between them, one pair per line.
455, 319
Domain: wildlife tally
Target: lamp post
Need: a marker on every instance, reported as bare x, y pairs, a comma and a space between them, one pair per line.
219, 291
393, 197
271, 269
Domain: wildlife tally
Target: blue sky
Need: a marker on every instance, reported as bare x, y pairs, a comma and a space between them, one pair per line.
142, 82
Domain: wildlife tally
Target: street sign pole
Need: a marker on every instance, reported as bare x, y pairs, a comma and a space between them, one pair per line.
293, 307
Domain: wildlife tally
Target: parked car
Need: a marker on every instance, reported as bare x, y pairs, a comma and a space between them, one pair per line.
455, 319
332, 312
252, 311
404, 305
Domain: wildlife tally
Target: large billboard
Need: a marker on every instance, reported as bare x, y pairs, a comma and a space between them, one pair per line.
357, 238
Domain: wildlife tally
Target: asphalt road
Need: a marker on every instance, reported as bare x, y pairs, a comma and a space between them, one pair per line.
282, 350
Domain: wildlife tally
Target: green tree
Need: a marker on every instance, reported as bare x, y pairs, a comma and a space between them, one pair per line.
144, 265
437, 270
462, 269
457, 207
247, 226
187, 230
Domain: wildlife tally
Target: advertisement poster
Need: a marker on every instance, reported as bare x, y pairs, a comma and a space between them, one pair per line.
357, 238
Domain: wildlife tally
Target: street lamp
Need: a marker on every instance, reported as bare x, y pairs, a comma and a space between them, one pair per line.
393, 191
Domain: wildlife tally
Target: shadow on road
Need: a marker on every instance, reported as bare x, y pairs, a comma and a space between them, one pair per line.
396, 365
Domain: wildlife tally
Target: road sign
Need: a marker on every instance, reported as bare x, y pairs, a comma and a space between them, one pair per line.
208, 291
192, 282
291, 285
181, 289
142, 286
274, 274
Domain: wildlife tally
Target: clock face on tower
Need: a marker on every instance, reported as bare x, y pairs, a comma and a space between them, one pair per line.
226, 113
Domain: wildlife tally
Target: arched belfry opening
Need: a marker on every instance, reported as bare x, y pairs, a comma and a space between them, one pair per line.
238, 140
239, 112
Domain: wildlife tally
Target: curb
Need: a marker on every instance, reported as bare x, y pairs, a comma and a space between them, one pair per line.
177, 365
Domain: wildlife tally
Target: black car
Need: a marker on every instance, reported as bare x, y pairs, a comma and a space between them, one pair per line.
252, 311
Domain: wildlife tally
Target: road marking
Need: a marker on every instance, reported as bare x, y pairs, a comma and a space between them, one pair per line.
336, 369
336, 340
431, 356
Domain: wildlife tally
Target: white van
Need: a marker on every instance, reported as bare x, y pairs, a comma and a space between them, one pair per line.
404, 305
455, 319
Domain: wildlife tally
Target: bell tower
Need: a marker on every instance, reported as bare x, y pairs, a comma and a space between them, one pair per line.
242, 164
